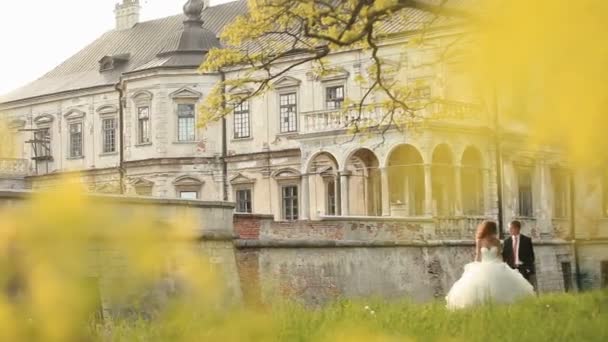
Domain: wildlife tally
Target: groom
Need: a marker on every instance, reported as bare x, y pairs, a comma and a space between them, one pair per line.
518, 251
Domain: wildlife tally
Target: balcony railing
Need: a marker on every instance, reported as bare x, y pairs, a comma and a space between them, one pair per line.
14, 167
337, 119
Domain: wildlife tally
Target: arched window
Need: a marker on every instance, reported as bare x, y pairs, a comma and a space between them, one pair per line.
406, 181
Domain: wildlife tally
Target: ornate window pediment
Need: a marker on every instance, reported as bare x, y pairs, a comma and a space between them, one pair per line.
240, 179
338, 74
287, 82
236, 90
74, 114
186, 93
44, 119
286, 174
142, 96
187, 181
107, 110
17, 123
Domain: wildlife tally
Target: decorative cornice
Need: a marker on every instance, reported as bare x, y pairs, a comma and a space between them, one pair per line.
186, 93
74, 114
44, 119
107, 110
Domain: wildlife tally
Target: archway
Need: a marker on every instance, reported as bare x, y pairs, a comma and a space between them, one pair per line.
324, 184
472, 182
406, 181
443, 181
365, 189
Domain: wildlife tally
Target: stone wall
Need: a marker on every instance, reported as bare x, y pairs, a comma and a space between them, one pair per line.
320, 261
107, 264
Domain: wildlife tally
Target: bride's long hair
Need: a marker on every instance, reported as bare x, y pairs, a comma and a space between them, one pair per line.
486, 229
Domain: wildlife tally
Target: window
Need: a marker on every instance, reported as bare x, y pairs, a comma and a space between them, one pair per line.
243, 201
524, 182
241, 121
288, 112
334, 97
185, 122
109, 135
190, 195
76, 140
560, 180
604, 274
42, 139
143, 125
331, 197
290, 202
567, 274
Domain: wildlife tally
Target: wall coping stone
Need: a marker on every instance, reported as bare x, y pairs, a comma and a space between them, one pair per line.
284, 243
26, 194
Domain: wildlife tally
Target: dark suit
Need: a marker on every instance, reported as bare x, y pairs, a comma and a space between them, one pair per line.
526, 256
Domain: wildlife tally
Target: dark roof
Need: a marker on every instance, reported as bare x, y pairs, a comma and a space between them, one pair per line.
143, 43
162, 43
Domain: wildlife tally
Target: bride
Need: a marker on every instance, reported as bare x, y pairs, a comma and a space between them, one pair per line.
488, 278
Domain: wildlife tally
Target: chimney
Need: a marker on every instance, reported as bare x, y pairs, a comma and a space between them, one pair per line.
127, 14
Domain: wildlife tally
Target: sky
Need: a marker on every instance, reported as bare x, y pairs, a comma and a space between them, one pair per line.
34, 40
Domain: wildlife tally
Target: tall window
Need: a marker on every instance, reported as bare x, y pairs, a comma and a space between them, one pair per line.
290, 202
334, 97
243, 201
241, 121
185, 122
43, 142
289, 110
331, 197
524, 182
143, 124
109, 135
560, 180
76, 140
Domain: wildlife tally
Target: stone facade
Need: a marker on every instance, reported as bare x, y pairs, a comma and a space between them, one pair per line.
311, 180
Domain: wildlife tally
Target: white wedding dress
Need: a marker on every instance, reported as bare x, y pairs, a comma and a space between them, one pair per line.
489, 280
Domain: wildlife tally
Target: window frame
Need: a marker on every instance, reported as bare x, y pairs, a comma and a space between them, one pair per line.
294, 214
249, 208
104, 136
140, 131
521, 211
294, 106
45, 153
71, 135
186, 191
565, 206
239, 113
179, 117
326, 99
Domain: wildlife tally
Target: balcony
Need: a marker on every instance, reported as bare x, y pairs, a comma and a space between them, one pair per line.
339, 119
14, 167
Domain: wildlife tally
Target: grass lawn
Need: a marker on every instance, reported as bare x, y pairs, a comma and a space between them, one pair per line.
563, 317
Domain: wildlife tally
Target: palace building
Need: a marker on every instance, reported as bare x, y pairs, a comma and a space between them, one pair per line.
121, 115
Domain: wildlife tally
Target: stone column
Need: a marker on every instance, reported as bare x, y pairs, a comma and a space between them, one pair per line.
344, 193
386, 195
458, 190
486, 191
428, 191
305, 206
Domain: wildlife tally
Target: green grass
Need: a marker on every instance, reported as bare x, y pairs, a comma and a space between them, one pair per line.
582, 317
